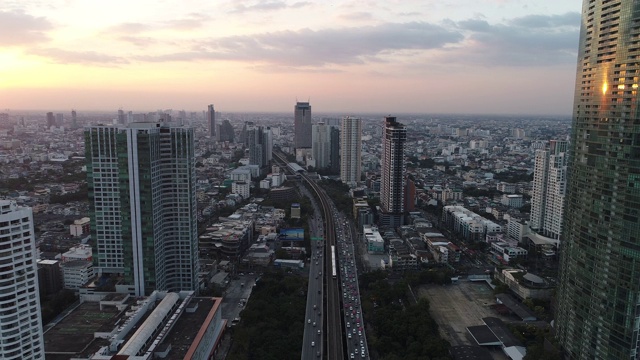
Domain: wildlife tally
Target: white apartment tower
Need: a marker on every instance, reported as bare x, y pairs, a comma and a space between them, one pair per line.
141, 181
321, 145
549, 188
351, 151
20, 318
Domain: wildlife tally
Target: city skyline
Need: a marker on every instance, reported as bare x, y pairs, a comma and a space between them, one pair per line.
400, 57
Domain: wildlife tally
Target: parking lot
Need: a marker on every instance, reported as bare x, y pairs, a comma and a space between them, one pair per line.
457, 306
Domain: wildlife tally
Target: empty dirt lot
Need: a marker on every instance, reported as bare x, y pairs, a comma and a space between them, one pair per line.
454, 307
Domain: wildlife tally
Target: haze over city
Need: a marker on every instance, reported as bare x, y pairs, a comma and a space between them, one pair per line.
462, 56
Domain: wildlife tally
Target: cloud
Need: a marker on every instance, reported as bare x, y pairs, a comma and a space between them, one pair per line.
534, 40
571, 19
357, 16
127, 28
78, 57
267, 6
18, 28
303, 48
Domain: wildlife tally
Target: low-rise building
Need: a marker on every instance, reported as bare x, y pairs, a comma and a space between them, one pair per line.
81, 252
373, 239
80, 227
76, 273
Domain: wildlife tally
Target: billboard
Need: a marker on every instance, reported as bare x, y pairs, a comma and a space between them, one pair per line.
292, 234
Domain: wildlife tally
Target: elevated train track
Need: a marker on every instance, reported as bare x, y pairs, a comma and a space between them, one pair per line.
335, 348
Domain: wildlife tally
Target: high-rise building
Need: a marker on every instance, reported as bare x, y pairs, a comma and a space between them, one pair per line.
392, 175
302, 125
225, 132
141, 180
334, 152
59, 119
74, 119
51, 120
321, 145
598, 298
260, 144
20, 318
549, 188
121, 118
351, 151
211, 120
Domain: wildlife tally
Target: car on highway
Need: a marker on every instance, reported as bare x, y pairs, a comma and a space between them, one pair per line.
313, 343
352, 356
309, 321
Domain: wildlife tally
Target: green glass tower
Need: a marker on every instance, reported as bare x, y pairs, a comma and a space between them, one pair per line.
141, 181
598, 299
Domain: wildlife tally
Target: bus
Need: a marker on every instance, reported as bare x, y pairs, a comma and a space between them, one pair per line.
333, 261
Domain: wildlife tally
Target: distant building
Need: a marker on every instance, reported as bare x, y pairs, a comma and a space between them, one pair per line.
80, 227
334, 152
225, 132
49, 277
51, 120
512, 200
393, 174
211, 120
302, 125
321, 145
80, 252
549, 189
506, 188
76, 273
373, 239
351, 151
241, 188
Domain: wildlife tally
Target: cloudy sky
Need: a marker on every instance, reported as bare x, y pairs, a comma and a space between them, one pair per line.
352, 56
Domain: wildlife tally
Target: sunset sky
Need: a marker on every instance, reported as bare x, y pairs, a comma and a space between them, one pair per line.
393, 56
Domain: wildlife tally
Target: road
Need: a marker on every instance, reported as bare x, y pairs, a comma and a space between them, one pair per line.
356, 339
333, 346
312, 343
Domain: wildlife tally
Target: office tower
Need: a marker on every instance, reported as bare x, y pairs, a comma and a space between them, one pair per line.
598, 298
59, 119
549, 187
260, 146
268, 143
334, 152
20, 318
248, 126
74, 119
332, 121
121, 118
211, 121
393, 173
51, 120
321, 145
302, 125
141, 180
225, 132
351, 151
129, 117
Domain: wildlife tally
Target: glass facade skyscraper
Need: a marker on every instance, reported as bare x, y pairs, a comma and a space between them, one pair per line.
302, 125
141, 181
598, 299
